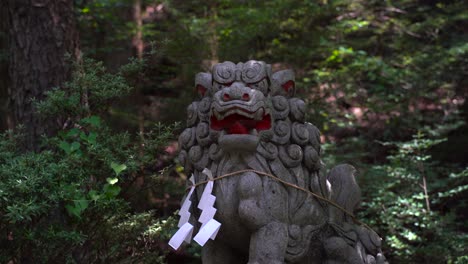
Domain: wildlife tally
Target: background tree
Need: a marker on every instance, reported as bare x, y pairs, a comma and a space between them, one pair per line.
41, 34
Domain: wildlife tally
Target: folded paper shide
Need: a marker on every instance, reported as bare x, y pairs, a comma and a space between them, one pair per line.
209, 228
185, 228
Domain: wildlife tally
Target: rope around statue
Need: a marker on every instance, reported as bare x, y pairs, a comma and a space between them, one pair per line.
287, 184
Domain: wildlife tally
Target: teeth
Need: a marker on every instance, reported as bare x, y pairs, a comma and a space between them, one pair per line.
259, 114
222, 133
239, 112
218, 115
254, 132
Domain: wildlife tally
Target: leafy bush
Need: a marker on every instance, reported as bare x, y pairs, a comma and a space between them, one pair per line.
69, 203
413, 201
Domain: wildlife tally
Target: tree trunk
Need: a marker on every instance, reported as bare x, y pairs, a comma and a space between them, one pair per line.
5, 115
41, 34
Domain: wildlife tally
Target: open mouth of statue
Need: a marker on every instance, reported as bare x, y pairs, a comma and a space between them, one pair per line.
240, 121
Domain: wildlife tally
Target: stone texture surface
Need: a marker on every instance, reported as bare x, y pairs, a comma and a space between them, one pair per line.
248, 118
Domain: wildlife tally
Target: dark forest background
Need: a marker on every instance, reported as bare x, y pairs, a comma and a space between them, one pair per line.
93, 94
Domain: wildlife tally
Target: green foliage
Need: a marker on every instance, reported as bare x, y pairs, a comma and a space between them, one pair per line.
410, 200
67, 203
91, 90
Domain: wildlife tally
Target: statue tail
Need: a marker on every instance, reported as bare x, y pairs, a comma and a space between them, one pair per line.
344, 191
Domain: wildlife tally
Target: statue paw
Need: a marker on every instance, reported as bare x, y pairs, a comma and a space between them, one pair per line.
381, 259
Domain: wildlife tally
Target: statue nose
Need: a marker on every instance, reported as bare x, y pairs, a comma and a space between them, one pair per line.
229, 97
236, 92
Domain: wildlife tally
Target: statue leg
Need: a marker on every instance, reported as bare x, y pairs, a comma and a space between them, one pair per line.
268, 244
250, 193
216, 252
269, 238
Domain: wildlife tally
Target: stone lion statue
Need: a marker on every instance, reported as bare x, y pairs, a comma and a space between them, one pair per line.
247, 118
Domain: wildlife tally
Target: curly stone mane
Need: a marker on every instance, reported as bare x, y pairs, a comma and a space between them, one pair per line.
248, 118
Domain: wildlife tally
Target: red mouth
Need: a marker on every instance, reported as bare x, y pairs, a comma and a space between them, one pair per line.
239, 124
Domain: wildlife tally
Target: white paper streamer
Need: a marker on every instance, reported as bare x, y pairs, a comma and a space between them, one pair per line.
210, 227
208, 231
185, 228
183, 234
185, 208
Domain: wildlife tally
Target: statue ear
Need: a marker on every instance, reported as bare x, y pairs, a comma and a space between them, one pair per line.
283, 83
203, 83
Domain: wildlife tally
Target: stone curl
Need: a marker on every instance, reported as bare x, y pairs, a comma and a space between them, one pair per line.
187, 138
204, 109
299, 134
215, 152
280, 107
224, 72
298, 109
253, 71
192, 114
183, 161
311, 158
282, 132
203, 134
291, 155
268, 150
198, 157
314, 135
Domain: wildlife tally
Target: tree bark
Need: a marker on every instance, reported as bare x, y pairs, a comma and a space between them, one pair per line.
5, 115
41, 34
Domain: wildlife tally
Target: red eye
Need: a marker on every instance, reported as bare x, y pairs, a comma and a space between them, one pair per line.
201, 90
287, 86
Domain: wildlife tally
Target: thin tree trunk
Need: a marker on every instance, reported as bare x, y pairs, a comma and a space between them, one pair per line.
138, 38
139, 48
41, 34
213, 40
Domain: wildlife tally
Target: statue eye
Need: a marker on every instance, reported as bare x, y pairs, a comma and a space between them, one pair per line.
262, 86
254, 85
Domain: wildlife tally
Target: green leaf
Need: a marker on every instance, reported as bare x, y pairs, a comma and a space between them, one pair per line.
65, 146
77, 208
73, 132
93, 194
112, 181
92, 138
111, 191
83, 136
92, 120
74, 146
118, 168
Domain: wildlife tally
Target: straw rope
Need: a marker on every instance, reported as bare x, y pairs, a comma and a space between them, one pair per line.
290, 185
